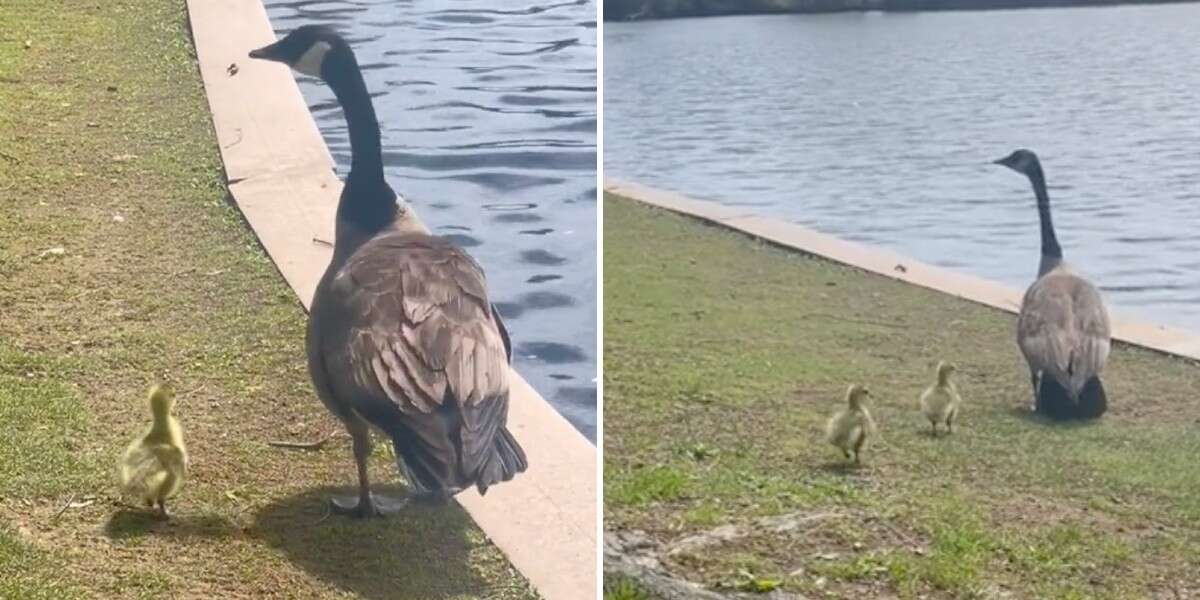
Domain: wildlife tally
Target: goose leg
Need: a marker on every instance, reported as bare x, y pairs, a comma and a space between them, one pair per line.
1033, 378
162, 510
366, 504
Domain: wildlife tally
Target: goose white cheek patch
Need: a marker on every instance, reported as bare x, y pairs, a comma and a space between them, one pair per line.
310, 61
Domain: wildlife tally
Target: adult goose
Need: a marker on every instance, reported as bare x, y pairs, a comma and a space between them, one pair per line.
1063, 328
401, 335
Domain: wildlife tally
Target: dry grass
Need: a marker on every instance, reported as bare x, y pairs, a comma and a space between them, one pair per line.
723, 357
108, 154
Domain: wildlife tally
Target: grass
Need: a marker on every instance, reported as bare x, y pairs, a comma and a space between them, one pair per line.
724, 356
124, 263
620, 588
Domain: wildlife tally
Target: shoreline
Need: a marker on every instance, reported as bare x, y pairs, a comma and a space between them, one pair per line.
1157, 337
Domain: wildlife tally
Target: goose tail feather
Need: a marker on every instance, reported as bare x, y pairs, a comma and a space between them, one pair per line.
507, 459
1055, 401
1093, 401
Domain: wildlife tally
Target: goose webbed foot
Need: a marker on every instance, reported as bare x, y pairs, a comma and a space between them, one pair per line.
162, 511
369, 506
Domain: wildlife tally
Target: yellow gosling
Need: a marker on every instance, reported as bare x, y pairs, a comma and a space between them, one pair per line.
851, 428
155, 464
940, 402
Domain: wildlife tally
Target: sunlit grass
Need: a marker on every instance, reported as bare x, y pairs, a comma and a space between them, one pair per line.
714, 341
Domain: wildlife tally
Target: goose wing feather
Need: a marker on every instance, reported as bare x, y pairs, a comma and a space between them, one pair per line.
416, 333
1063, 329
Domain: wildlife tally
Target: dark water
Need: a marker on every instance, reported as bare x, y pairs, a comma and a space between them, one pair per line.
880, 128
488, 111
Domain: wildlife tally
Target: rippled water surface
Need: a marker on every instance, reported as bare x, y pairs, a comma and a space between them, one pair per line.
881, 128
488, 111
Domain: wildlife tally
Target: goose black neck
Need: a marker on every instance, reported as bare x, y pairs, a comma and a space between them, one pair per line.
1050, 247
342, 74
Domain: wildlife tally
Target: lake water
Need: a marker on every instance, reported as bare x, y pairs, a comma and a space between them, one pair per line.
488, 112
881, 128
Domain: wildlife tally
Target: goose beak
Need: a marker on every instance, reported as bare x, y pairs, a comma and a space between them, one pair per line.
998, 161
267, 52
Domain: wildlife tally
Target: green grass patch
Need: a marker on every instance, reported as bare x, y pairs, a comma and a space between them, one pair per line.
724, 356
623, 588
45, 427
643, 486
28, 574
124, 263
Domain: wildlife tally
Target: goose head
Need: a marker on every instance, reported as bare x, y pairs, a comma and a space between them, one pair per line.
855, 396
306, 49
1022, 161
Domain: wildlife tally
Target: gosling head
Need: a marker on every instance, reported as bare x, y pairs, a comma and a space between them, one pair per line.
1022, 161
162, 399
306, 49
856, 395
945, 370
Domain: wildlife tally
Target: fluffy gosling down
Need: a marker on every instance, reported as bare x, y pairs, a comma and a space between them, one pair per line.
940, 401
851, 428
155, 464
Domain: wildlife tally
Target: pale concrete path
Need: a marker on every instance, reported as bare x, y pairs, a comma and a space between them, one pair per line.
883, 262
281, 176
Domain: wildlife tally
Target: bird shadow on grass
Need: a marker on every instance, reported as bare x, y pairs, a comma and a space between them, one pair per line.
129, 523
424, 551
843, 468
1023, 413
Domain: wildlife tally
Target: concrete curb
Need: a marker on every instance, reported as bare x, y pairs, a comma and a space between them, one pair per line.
282, 179
1161, 338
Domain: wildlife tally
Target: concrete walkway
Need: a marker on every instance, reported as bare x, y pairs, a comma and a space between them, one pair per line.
281, 177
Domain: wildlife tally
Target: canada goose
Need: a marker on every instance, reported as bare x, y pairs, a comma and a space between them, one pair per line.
851, 428
401, 334
940, 401
155, 463
1063, 328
